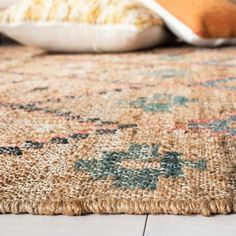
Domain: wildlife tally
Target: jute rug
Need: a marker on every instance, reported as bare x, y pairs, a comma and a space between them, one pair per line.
146, 132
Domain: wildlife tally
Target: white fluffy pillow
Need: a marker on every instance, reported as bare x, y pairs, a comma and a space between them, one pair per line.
83, 25
6, 3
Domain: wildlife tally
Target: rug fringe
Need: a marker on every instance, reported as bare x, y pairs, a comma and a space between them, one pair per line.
114, 206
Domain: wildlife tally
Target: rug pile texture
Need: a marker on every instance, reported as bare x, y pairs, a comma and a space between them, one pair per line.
146, 132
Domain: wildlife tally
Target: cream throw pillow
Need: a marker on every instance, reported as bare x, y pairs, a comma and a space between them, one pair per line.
83, 25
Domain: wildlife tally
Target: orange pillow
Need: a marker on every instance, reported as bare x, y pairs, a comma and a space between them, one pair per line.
206, 18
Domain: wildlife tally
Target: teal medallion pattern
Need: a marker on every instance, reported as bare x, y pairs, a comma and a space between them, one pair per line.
217, 126
164, 73
225, 83
170, 165
160, 102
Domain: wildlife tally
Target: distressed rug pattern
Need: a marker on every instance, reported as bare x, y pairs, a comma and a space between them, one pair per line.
146, 132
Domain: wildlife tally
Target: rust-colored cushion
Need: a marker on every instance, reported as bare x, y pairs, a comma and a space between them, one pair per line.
206, 18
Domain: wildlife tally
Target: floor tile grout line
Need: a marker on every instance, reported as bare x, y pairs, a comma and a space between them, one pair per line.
145, 225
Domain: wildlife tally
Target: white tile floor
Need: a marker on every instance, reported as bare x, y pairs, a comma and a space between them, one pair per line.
191, 226
26, 225
118, 225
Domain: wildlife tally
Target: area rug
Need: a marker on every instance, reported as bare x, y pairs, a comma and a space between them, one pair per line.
146, 132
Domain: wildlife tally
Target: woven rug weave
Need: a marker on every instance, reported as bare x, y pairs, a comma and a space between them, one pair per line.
146, 132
